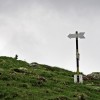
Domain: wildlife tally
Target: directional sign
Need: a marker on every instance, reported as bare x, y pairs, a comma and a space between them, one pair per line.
79, 35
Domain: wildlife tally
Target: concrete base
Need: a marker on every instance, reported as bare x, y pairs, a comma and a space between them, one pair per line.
80, 78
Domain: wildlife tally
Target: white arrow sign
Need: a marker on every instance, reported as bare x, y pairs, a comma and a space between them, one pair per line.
79, 35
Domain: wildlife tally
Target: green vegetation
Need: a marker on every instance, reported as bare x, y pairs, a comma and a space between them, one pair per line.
21, 81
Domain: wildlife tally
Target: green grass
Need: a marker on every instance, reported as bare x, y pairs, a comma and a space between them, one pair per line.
56, 83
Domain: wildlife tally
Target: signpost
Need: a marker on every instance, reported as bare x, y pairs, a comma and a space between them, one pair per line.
78, 77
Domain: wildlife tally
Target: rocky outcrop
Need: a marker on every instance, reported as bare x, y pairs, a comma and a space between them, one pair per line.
92, 76
33, 64
86, 77
95, 75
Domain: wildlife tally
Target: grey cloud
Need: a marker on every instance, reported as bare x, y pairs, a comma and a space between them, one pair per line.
37, 30
78, 8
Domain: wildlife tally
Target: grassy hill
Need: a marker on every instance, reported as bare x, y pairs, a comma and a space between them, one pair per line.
20, 80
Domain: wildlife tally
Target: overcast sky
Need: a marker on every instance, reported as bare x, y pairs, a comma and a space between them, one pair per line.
37, 31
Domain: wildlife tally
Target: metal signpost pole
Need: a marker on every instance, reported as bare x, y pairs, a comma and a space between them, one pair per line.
77, 56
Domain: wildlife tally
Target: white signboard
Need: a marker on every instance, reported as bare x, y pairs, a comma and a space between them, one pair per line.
79, 35
80, 78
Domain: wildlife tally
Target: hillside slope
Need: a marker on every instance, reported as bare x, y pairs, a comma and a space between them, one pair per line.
20, 80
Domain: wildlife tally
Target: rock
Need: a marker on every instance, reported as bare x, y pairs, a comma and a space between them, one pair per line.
42, 78
95, 75
87, 77
92, 76
33, 64
20, 70
81, 97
